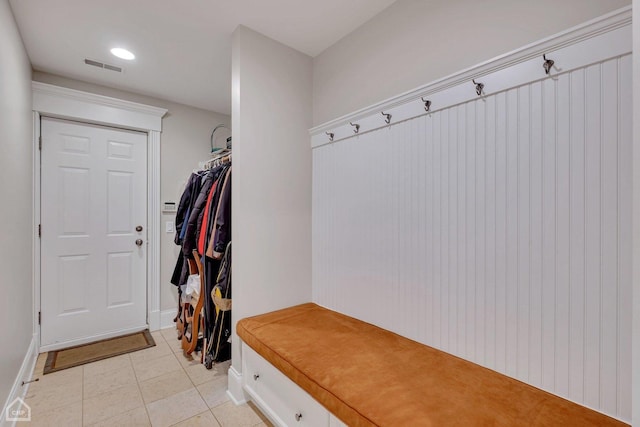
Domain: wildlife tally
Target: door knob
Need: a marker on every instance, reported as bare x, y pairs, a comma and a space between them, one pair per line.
139, 242
139, 228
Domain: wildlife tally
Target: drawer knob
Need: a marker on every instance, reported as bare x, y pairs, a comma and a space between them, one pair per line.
298, 416
256, 376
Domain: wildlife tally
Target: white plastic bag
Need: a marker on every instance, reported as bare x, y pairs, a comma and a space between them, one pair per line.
183, 292
193, 285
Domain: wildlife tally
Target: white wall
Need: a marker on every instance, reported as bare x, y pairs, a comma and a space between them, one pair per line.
636, 213
16, 304
185, 141
271, 111
497, 230
414, 42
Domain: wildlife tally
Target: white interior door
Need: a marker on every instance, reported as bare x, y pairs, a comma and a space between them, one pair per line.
94, 210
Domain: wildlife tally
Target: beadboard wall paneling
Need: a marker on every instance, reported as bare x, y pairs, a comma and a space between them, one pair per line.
498, 230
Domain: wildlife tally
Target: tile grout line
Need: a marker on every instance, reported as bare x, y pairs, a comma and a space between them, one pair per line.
160, 340
183, 371
190, 380
111, 391
82, 398
38, 372
144, 404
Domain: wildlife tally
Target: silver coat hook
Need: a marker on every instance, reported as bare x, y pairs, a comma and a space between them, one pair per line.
479, 87
330, 135
356, 126
548, 63
427, 104
387, 119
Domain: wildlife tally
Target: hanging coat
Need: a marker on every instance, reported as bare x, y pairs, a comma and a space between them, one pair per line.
184, 205
223, 229
187, 200
218, 347
195, 215
202, 234
213, 208
222, 232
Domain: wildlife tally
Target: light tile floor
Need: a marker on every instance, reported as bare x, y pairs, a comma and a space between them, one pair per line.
157, 386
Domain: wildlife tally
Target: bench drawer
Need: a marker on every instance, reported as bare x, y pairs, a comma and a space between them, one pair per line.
277, 395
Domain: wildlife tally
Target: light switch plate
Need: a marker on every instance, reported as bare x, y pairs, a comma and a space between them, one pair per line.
168, 227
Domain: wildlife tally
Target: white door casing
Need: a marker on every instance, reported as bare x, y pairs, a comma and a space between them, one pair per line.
60, 102
92, 201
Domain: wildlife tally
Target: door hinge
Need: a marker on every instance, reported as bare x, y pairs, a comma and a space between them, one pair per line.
39, 318
40, 143
39, 230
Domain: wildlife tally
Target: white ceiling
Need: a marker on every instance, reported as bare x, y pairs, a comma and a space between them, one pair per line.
182, 47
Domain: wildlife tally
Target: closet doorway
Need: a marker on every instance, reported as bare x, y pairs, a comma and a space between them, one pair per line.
94, 228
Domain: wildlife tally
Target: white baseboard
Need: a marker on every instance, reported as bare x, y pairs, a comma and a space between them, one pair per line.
154, 320
234, 388
166, 318
25, 374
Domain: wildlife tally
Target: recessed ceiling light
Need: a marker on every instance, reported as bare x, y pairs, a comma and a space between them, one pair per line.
122, 53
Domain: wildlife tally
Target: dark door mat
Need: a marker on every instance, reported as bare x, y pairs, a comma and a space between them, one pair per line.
86, 353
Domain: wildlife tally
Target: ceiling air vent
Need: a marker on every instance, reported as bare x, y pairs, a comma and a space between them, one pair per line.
102, 65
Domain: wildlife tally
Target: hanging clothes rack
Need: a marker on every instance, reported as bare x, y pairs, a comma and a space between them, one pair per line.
203, 231
222, 158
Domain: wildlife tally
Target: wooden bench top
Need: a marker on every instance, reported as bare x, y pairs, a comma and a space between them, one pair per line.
368, 376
